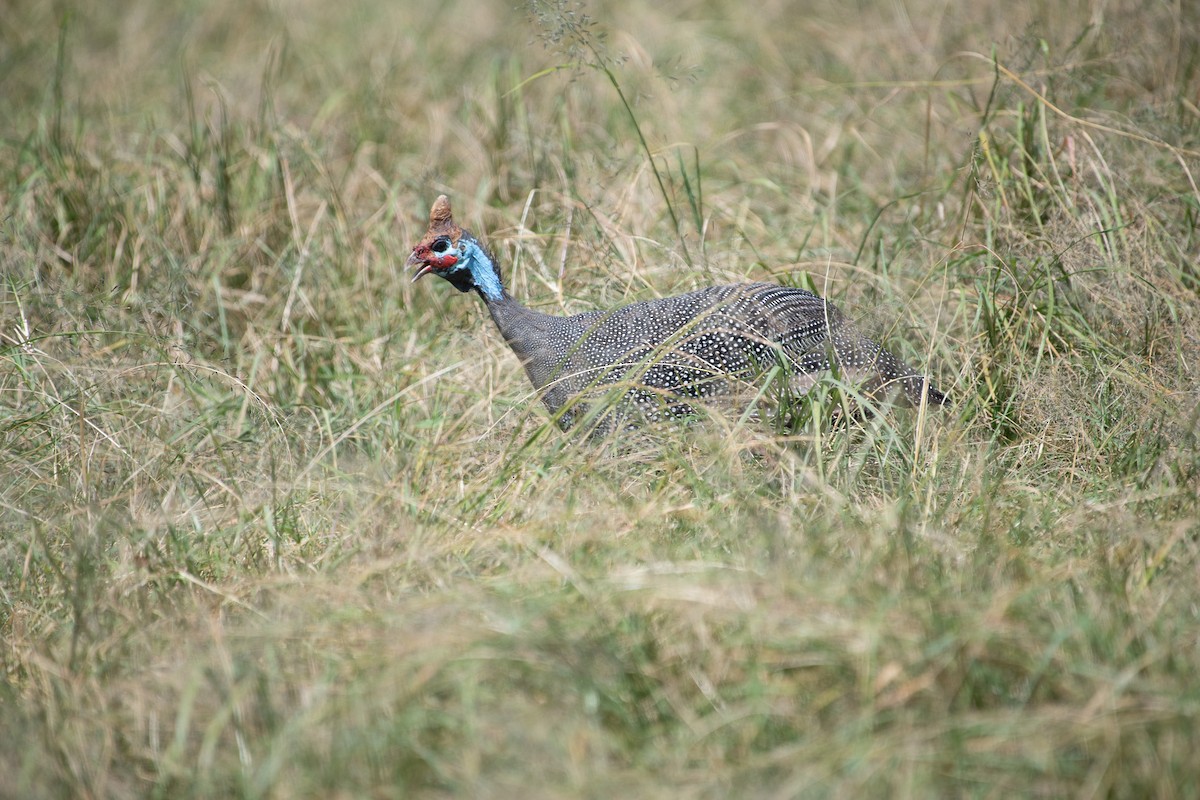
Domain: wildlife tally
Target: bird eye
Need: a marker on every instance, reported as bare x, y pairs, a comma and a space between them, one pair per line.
440, 246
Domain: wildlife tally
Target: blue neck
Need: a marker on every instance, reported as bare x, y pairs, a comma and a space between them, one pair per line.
483, 270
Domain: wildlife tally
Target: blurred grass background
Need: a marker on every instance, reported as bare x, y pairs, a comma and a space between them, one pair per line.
274, 523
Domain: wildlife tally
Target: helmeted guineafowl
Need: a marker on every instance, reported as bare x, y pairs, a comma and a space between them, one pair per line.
660, 354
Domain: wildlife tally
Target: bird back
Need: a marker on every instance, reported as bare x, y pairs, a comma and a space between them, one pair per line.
698, 346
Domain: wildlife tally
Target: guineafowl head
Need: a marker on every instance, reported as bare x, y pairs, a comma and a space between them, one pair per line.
454, 254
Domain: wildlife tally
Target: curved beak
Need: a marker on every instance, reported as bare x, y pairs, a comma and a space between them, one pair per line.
425, 269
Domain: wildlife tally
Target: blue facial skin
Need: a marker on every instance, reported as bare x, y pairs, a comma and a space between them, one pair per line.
475, 260
464, 264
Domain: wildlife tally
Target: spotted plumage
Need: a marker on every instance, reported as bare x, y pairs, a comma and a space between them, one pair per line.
659, 355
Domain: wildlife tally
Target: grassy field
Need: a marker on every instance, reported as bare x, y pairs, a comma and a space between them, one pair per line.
276, 523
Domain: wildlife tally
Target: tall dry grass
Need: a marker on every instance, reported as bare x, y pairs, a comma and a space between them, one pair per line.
276, 523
